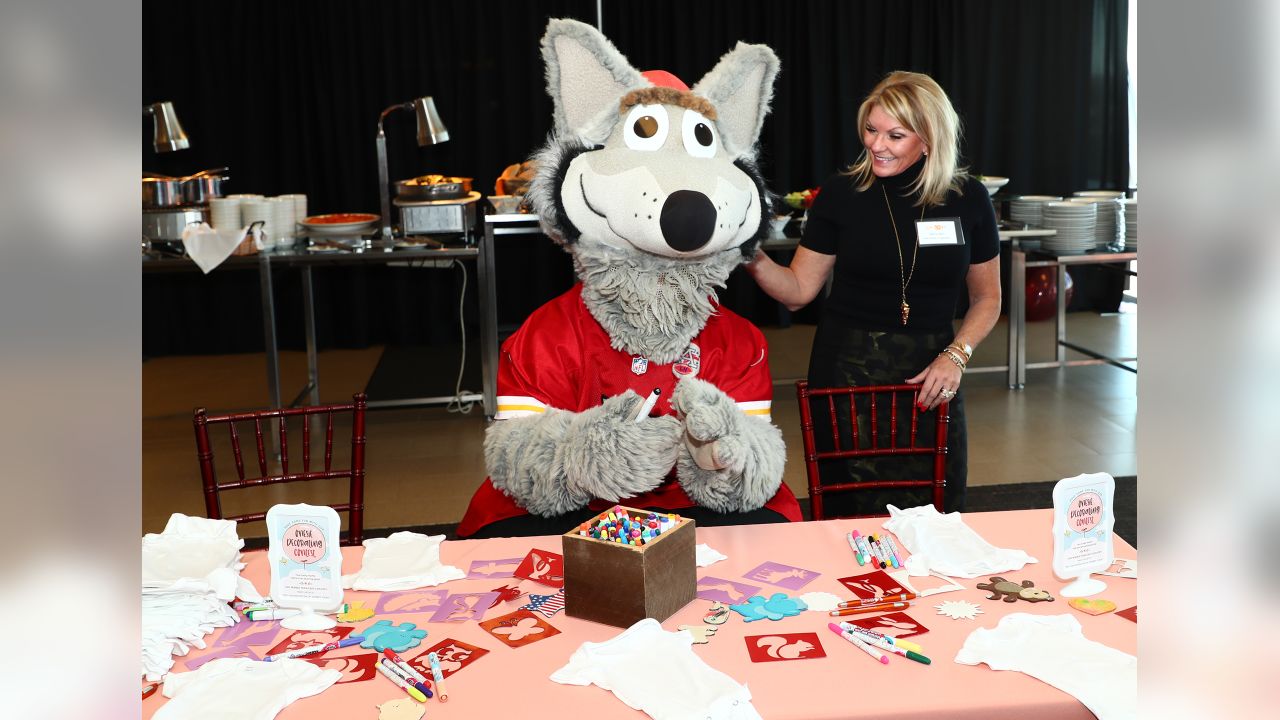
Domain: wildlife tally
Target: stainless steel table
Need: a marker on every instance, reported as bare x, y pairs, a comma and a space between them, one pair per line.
304, 260
1023, 258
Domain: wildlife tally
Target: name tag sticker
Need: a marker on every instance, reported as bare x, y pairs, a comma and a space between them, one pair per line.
939, 231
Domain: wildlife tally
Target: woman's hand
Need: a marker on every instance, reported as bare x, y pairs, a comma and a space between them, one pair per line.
939, 382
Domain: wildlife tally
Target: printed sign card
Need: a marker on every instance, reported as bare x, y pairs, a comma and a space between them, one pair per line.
1083, 518
306, 561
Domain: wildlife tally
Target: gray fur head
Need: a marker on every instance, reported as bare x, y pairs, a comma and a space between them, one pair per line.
661, 171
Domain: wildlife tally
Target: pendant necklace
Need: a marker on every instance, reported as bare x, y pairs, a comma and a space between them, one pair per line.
903, 274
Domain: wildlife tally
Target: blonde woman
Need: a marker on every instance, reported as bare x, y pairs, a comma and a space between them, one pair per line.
895, 277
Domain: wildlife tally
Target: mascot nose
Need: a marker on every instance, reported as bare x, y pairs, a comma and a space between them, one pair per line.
688, 220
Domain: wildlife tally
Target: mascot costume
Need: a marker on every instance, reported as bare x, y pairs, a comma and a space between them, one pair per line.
652, 188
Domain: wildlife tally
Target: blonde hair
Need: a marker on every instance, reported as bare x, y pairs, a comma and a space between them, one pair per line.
921, 105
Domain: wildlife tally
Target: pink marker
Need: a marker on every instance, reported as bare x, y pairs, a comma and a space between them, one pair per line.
884, 659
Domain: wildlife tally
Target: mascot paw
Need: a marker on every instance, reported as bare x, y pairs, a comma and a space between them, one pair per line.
610, 456
708, 413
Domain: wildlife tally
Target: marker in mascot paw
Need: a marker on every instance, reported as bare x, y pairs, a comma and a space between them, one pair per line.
649, 402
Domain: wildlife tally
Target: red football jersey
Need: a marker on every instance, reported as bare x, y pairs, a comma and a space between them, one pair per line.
562, 358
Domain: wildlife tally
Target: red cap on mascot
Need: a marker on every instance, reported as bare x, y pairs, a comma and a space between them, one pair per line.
662, 78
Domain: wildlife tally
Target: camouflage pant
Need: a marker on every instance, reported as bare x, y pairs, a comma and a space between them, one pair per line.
848, 357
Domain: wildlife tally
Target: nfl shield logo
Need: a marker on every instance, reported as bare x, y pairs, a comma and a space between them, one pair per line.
639, 364
689, 362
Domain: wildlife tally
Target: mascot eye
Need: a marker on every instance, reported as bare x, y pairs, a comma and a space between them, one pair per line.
699, 135
646, 127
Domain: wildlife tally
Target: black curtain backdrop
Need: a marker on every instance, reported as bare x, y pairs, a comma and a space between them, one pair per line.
287, 94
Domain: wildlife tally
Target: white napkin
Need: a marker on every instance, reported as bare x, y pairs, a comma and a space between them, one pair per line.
209, 247
403, 561
705, 555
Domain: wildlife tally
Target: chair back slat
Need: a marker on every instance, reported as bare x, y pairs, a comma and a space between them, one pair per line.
235, 448
284, 446
328, 444
354, 473
262, 447
895, 447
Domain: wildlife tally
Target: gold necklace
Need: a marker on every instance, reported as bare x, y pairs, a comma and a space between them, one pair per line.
902, 272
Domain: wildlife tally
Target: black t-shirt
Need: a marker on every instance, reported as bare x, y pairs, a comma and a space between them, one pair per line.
854, 226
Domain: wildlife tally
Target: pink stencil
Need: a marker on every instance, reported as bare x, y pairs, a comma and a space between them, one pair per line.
503, 568
410, 601
789, 646
354, 668
725, 591
465, 606
787, 576
872, 586
306, 638
898, 624
543, 567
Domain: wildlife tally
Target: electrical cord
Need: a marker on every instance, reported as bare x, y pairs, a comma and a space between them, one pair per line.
456, 404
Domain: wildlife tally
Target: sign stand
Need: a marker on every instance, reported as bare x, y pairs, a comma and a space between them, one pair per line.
306, 563
1083, 518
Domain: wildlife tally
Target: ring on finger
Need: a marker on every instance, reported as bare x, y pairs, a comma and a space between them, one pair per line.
947, 393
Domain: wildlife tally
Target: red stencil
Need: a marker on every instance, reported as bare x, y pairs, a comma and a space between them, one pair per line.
789, 646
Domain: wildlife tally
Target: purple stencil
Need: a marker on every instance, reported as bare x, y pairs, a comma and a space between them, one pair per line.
410, 601
465, 606
494, 568
725, 591
787, 576
236, 641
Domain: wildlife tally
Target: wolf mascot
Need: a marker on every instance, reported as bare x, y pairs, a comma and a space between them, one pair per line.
652, 188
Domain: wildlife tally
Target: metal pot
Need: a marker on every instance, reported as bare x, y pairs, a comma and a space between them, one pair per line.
161, 192
198, 188
432, 187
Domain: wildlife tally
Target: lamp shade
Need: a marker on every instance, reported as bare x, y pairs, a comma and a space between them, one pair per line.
431, 129
169, 135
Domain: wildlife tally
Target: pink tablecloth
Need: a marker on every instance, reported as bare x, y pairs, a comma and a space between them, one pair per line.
509, 682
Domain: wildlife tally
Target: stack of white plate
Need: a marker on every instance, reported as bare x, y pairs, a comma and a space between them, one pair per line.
1105, 230
1028, 208
282, 220
1075, 223
224, 213
260, 210
299, 201
1130, 225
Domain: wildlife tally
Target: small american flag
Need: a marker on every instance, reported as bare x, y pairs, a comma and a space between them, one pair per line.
545, 605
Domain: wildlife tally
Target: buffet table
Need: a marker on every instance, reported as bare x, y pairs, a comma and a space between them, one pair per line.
513, 682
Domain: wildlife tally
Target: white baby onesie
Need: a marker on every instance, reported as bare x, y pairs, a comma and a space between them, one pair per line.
1052, 649
241, 689
657, 671
945, 544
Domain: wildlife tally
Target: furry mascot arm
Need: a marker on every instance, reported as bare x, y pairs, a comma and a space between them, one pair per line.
730, 461
559, 461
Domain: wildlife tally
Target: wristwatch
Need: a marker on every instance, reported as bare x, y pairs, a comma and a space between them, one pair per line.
966, 347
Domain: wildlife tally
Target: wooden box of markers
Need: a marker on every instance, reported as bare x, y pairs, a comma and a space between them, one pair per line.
618, 584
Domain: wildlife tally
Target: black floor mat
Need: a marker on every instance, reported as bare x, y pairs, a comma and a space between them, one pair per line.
417, 371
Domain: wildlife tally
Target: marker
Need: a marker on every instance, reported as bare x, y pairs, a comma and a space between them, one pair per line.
438, 675
420, 682
403, 674
149, 690
400, 683
888, 554
862, 543
268, 612
878, 601
649, 402
314, 649
857, 551
885, 644
883, 607
878, 552
893, 548
864, 632
884, 659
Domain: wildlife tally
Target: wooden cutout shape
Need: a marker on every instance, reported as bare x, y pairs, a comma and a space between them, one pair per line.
959, 609
400, 709
717, 615
701, 633
356, 612
1092, 606
1011, 591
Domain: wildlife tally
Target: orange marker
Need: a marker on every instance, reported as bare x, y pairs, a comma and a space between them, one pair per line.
883, 607
878, 601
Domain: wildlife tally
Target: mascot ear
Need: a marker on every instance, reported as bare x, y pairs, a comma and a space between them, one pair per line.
740, 87
586, 77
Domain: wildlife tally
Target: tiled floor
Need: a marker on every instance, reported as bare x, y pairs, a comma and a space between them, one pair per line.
423, 464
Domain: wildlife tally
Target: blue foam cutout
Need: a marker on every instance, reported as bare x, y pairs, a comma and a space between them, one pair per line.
382, 635
778, 606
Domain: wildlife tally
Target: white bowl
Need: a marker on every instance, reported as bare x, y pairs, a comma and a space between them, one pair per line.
994, 183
